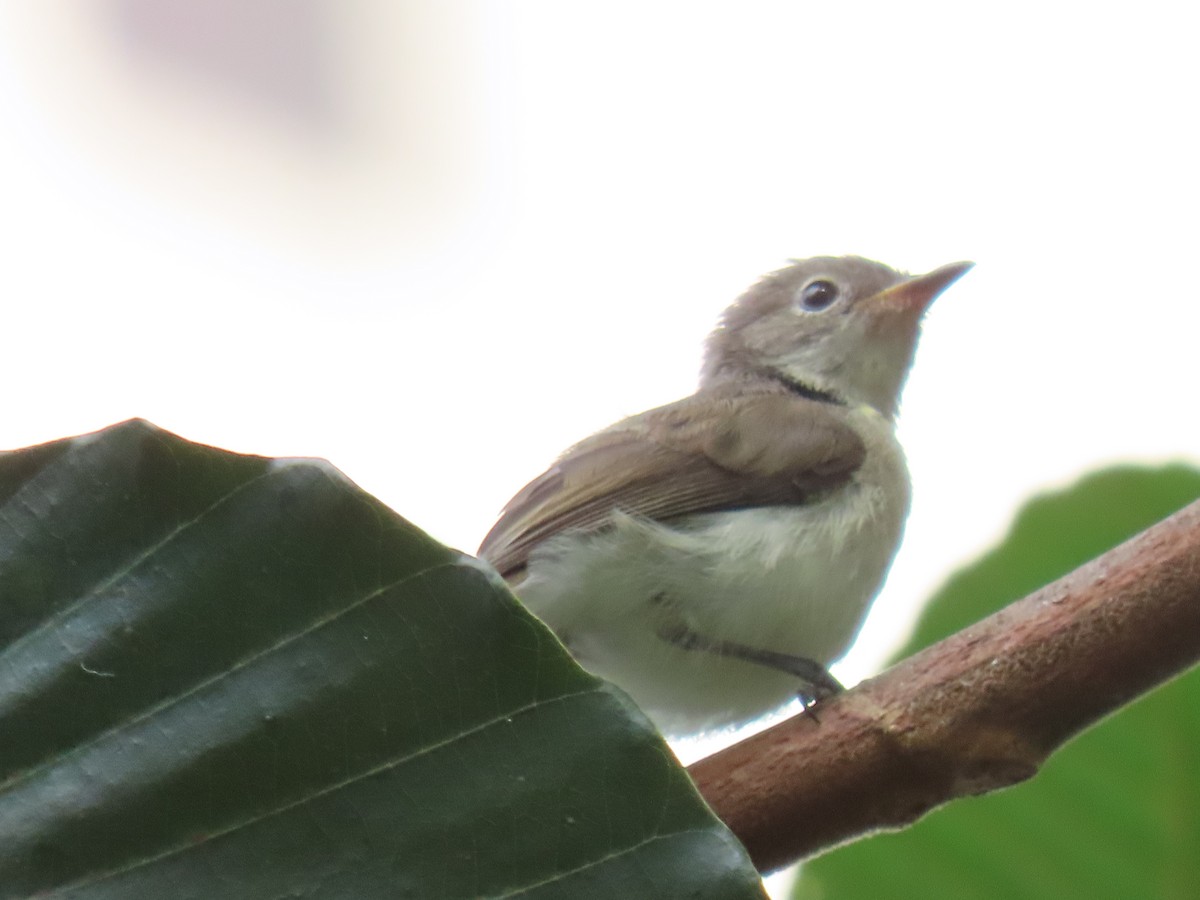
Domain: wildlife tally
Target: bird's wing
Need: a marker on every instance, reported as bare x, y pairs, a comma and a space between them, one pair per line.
718, 450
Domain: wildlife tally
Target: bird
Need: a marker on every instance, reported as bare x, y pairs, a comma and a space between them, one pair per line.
713, 556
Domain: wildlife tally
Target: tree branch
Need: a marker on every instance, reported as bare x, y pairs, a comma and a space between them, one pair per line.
978, 711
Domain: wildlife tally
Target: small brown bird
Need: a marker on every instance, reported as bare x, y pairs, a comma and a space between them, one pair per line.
714, 555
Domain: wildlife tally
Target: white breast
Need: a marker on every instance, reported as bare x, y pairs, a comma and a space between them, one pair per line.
796, 580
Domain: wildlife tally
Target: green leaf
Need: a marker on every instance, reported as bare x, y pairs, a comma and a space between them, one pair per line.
227, 676
1114, 814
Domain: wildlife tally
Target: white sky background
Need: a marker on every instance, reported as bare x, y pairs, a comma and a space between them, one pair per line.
437, 242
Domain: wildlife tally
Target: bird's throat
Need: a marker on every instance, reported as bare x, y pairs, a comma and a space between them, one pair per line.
800, 389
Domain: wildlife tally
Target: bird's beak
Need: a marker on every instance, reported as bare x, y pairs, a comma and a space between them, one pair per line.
914, 295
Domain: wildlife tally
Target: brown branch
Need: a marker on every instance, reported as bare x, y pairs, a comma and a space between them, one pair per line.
978, 711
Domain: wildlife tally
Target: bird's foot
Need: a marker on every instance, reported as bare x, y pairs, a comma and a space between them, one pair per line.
819, 684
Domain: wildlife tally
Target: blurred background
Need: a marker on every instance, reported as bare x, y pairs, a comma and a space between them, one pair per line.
437, 242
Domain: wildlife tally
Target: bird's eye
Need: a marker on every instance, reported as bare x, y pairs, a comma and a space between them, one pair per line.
818, 295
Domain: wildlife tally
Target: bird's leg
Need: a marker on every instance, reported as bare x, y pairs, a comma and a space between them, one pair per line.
821, 684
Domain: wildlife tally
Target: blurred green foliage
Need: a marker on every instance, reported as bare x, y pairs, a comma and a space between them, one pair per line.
1114, 814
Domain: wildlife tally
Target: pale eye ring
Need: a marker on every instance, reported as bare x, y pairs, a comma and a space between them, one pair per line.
818, 295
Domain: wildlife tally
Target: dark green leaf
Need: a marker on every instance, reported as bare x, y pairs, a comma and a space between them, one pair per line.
226, 676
